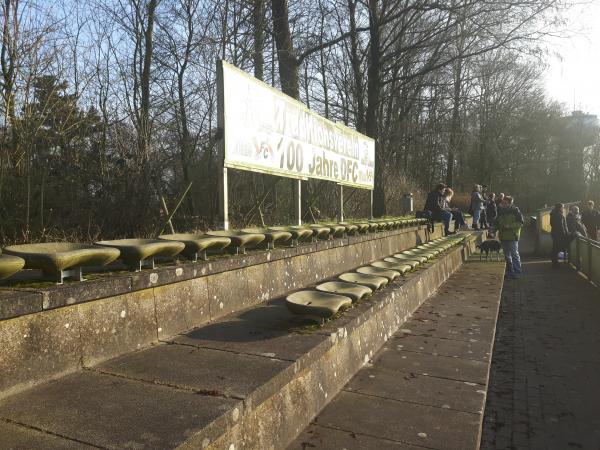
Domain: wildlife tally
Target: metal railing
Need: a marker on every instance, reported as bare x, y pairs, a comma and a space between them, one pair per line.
584, 254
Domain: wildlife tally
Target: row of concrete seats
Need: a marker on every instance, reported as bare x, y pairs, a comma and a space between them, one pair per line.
329, 298
59, 260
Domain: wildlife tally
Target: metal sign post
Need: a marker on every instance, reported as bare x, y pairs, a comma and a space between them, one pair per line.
371, 205
297, 202
223, 185
341, 206
223, 198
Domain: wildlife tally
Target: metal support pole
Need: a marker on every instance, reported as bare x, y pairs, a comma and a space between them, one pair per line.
223, 185
223, 198
341, 209
298, 202
371, 206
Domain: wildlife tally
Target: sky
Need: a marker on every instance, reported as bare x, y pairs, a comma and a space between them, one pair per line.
573, 75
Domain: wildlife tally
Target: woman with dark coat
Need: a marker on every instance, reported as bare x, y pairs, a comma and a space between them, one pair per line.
559, 232
574, 223
491, 209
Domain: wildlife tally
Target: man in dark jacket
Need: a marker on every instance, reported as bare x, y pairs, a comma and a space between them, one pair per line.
591, 219
436, 203
559, 232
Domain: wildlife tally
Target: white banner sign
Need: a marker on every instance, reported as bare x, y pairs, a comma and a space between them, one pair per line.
267, 131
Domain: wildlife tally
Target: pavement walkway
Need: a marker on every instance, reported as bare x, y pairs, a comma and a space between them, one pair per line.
426, 387
544, 390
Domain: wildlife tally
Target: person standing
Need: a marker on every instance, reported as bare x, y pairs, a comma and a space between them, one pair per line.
499, 199
491, 210
477, 205
509, 223
559, 232
437, 205
591, 219
484, 222
574, 224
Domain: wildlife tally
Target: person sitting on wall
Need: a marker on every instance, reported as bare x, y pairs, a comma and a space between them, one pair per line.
436, 204
457, 215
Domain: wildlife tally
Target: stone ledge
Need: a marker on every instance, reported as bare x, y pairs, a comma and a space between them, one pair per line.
87, 332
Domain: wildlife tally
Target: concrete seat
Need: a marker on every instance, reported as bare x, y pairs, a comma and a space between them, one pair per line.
385, 224
399, 267
320, 231
337, 230
391, 275
412, 255
430, 245
441, 247
9, 265
375, 226
429, 254
430, 249
352, 290
239, 239
371, 281
413, 263
138, 253
271, 236
363, 227
351, 228
60, 260
425, 251
298, 233
316, 304
196, 245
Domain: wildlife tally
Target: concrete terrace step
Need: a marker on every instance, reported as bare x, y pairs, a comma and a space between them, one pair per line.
250, 380
427, 386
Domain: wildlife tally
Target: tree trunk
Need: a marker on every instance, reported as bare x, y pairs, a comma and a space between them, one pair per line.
288, 62
357, 75
455, 127
145, 127
373, 96
258, 18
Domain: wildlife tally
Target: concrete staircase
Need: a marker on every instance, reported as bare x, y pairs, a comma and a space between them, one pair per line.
252, 379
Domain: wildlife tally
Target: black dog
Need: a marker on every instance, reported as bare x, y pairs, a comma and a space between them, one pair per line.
490, 245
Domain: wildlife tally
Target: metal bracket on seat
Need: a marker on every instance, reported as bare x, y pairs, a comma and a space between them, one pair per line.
74, 273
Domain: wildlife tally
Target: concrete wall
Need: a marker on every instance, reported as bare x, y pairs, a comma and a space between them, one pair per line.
76, 328
320, 374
